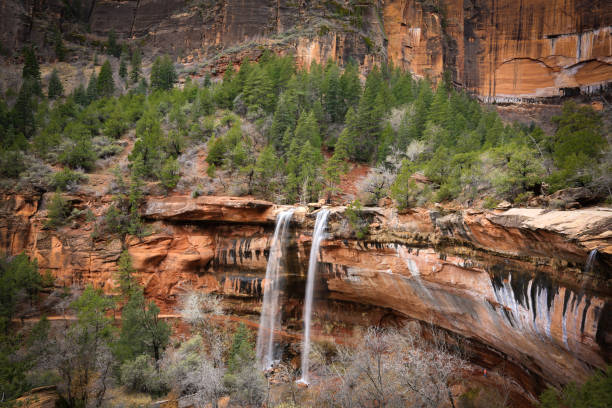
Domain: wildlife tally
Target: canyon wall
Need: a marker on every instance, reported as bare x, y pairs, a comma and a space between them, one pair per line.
514, 284
502, 50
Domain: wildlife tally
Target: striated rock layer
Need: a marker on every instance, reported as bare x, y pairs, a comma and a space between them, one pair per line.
514, 284
502, 50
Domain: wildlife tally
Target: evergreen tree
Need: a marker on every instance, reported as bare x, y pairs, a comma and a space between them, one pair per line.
439, 110
56, 89
265, 172
337, 165
163, 74
350, 85
23, 111
170, 174
92, 88
146, 149
80, 95
125, 274
241, 349
369, 115
135, 62
123, 68
333, 101
60, 49
142, 330
285, 118
31, 70
112, 47
58, 211
258, 89
308, 130
402, 87
105, 85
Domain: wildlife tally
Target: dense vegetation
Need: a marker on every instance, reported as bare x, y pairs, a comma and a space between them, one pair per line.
269, 127
91, 352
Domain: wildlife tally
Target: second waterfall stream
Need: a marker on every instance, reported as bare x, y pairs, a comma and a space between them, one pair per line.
317, 236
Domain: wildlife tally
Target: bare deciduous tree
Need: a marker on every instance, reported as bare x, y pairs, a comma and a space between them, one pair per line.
197, 309
375, 185
390, 368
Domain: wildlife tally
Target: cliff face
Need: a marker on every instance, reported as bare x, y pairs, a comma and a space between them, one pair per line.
502, 50
506, 49
515, 284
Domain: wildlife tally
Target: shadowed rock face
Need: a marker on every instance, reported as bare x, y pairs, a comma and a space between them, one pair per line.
511, 283
502, 50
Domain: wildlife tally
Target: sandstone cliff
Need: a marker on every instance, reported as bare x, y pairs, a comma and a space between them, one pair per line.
502, 50
515, 284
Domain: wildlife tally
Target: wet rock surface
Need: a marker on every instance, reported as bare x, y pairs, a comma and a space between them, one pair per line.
514, 284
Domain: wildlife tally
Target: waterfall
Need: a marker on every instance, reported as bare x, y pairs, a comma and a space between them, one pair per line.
590, 260
269, 319
317, 236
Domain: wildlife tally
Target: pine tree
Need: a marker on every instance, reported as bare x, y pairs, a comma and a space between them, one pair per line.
337, 165
350, 85
285, 118
31, 70
58, 211
135, 62
170, 174
92, 88
123, 68
80, 95
308, 130
142, 330
368, 118
147, 145
163, 74
265, 172
56, 89
333, 102
23, 111
258, 89
105, 85
60, 49
113, 48
439, 111
125, 274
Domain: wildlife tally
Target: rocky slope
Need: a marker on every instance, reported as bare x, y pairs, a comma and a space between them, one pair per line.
515, 284
502, 50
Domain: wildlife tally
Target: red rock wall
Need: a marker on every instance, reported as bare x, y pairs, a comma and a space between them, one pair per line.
511, 283
502, 50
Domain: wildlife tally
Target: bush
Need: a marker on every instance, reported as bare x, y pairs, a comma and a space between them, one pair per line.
11, 163
140, 375
67, 180
58, 211
356, 219
170, 174
104, 147
596, 392
80, 155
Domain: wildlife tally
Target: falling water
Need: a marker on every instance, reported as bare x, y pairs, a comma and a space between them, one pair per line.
317, 236
590, 260
270, 316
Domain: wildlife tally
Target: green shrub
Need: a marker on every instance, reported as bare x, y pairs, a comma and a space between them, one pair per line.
58, 211
66, 179
356, 218
140, 375
490, 203
596, 392
170, 174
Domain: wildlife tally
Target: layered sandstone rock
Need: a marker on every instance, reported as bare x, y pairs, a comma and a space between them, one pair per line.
502, 50
513, 283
